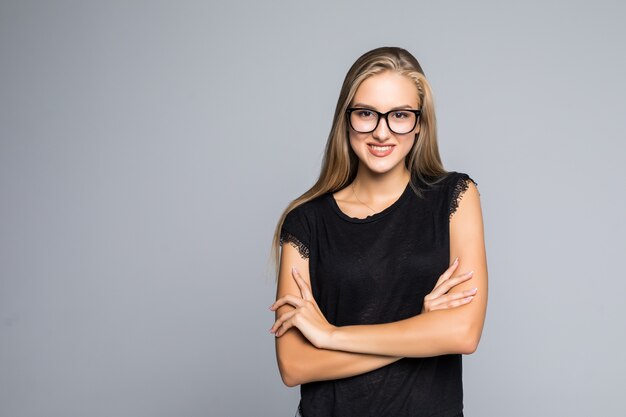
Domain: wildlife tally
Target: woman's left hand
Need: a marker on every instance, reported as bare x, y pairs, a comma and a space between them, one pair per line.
306, 316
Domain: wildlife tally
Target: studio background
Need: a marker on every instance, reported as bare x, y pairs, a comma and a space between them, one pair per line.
147, 150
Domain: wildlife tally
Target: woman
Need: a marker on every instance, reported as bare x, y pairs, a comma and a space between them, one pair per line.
372, 312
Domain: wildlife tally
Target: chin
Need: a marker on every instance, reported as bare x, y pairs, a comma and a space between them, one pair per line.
381, 169
382, 165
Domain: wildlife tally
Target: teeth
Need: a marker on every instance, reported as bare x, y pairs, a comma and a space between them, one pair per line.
380, 148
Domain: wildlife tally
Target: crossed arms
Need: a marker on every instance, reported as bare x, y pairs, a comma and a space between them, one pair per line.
308, 348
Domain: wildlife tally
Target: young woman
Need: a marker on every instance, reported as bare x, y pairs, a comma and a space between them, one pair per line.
373, 313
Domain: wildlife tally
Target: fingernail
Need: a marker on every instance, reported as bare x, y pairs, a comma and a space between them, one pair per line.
469, 298
470, 273
456, 260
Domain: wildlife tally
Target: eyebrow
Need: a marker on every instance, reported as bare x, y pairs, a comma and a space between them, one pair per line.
405, 106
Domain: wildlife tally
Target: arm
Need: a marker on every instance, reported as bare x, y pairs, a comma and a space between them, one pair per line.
439, 332
298, 360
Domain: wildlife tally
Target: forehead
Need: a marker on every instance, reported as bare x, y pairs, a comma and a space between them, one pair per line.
387, 90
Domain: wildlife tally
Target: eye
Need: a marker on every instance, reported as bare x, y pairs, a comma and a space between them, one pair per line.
401, 115
364, 114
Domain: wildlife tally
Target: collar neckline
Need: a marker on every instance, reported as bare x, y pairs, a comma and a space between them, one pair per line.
333, 203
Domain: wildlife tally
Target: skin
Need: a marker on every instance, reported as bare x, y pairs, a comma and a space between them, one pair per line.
379, 181
309, 348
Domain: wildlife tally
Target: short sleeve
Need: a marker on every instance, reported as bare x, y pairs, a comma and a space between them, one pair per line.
296, 230
460, 183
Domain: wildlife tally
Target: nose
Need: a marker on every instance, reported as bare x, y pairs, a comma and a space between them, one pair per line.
382, 132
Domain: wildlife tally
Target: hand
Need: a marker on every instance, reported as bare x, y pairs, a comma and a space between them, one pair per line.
438, 299
306, 316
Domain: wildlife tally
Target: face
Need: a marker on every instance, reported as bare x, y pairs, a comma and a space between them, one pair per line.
383, 151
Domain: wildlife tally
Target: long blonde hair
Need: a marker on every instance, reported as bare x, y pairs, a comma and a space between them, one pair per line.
339, 166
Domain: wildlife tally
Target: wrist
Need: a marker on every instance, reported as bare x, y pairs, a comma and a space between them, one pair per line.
331, 340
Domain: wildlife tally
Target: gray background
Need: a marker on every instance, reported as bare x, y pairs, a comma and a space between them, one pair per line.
148, 148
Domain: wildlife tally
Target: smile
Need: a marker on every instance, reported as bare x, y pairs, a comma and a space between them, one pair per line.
380, 150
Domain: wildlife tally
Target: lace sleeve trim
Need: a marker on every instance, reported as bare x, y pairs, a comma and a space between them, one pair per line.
303, 250
457, 193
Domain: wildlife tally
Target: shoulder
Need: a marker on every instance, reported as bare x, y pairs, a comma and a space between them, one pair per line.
298, 226
308, 209
453, 178
459, 182
450, 183
461, 185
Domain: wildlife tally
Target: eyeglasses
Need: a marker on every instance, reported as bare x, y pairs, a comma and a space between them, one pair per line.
365, 120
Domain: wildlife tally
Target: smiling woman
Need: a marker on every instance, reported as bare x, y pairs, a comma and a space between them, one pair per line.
372, 312
382, 144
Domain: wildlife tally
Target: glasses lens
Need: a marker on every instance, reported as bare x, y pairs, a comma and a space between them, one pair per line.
401, 122
363, 120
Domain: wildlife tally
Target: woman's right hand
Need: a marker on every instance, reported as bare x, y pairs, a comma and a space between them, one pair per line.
439, 299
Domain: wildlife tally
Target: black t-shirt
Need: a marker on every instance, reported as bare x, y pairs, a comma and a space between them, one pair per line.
378, 270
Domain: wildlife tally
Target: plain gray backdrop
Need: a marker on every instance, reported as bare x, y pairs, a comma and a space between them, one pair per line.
147, 150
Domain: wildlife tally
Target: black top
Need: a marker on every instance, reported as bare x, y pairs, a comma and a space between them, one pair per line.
378, 270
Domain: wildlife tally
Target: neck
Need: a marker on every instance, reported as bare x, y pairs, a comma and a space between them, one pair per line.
379, 188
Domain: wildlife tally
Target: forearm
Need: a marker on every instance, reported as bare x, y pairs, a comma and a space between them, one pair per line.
434, 333
301, 362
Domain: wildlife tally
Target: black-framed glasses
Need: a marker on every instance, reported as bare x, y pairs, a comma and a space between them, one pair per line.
365, 120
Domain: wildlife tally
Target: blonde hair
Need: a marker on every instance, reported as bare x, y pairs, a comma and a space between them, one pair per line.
339, 166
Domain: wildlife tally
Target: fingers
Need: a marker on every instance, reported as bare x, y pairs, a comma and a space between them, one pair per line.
453, 300
446, 285
287, 299
305, 290
453, 304
448, 272
281, 325
441, 305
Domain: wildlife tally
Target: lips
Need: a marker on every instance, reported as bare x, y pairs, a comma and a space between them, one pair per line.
380, 151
